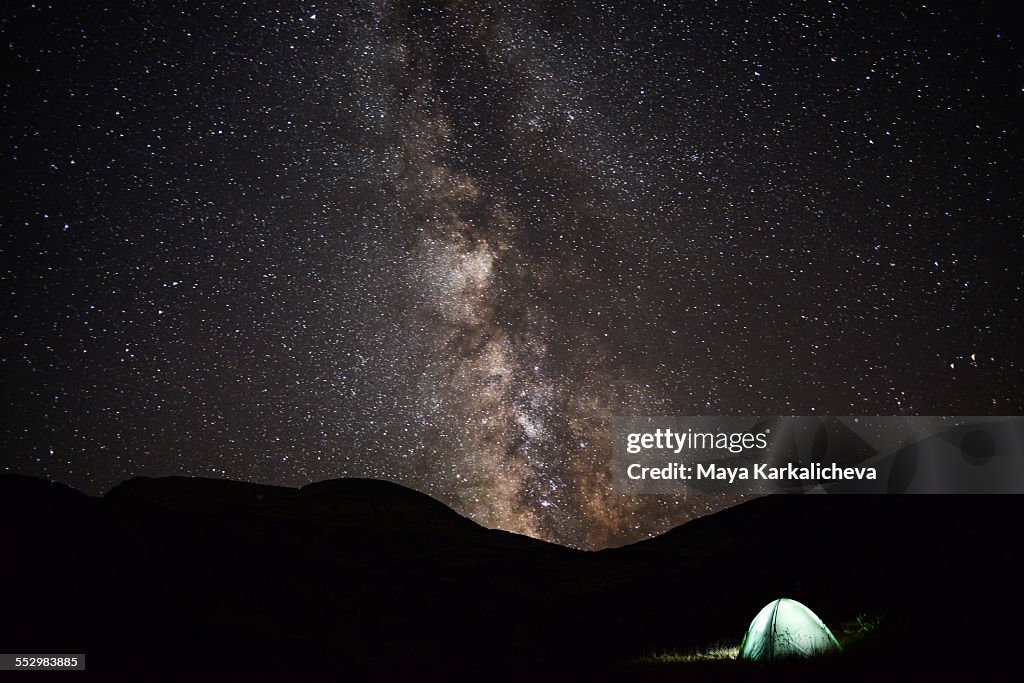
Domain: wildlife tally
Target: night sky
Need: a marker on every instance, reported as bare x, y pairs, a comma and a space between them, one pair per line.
443, 243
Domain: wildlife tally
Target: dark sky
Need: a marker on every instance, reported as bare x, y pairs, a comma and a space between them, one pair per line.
443, 243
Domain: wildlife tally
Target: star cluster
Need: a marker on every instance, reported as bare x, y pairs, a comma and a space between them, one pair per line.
443, 243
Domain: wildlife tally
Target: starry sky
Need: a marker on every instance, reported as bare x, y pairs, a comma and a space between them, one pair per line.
442, 243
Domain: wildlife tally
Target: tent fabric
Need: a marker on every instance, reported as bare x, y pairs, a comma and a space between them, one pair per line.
784, 629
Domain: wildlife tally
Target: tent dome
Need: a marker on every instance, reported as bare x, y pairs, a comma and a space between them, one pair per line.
785, 628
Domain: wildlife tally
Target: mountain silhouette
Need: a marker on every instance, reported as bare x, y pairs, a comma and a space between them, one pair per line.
359, 579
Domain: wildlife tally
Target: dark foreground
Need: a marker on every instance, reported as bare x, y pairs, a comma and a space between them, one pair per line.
192, 579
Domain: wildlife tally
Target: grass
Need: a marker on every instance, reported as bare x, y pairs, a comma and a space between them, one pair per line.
715, 652
868, 623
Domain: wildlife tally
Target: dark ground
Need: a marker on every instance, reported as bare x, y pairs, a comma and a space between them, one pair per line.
191, 579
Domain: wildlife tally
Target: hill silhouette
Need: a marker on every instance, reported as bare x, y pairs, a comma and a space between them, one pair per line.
365, 579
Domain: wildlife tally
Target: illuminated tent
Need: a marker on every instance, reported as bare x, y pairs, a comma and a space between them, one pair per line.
783, 629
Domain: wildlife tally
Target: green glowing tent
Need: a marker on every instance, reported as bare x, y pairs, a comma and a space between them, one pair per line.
786, 629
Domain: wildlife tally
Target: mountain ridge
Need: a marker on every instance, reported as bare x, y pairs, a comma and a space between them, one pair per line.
372, 579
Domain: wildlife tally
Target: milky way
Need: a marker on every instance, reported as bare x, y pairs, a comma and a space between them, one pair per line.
519, 434
444, 243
